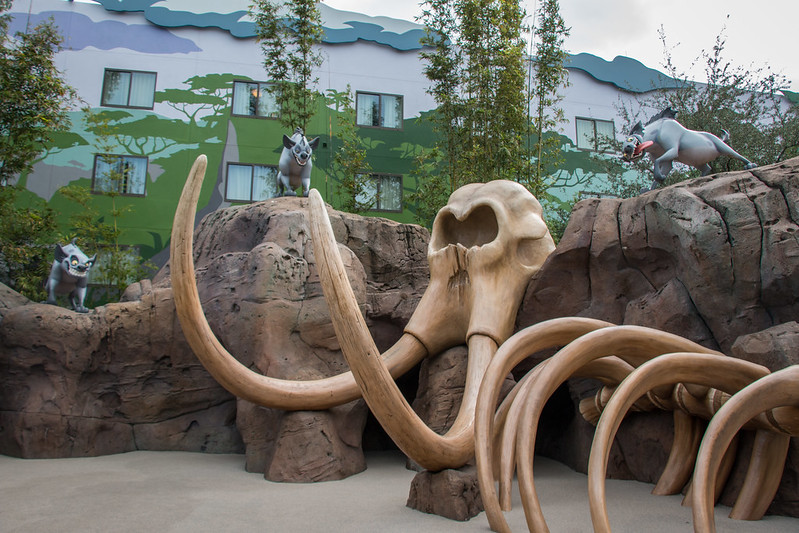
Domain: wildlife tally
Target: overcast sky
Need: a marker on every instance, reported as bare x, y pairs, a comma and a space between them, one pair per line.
759, 33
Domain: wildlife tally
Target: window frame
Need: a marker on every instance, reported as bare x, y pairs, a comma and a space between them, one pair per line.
95, 190
593, 121
377, 207
252, 178
380, 96
103, 103
233, 101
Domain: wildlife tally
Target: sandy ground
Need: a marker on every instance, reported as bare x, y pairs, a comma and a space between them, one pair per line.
175, 492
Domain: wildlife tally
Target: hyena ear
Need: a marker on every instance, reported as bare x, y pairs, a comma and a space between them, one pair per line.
60, 254
287, 142
314, 143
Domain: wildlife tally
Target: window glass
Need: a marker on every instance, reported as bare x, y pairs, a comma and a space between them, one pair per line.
368, 193
250, 183
379, 110
142, 89
391, 112
585, 133
368, 113
264, 183
604, 132
115, 88
267, 104
391, 193
239, 183
382, 192
128, 89
123, 174
593, 134
241, 98
253, 99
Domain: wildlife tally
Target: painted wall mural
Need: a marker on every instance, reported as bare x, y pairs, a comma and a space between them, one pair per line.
192, 103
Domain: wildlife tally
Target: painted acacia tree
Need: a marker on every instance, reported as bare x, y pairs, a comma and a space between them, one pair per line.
35, 101
118, 265
548, 76
289, 34
475, 64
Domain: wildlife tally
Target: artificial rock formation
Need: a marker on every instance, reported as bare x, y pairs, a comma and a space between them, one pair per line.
714, 259
127, 379
117, 379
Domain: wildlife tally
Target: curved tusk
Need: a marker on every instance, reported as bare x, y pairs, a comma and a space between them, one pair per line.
634, 344
725, 373
230, 373
548, 334
431, 450
775, 390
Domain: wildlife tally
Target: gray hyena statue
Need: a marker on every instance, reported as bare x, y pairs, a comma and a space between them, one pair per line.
666, 141
69, 275
295, 163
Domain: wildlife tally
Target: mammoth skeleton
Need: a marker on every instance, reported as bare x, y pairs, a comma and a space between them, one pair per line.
486, 244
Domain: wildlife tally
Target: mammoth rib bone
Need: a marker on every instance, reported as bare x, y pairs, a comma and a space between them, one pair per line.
725, 373
772, 391
548, 334
633, 344
229, 372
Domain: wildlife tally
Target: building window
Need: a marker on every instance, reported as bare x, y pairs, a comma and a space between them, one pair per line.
379, 110
593, 134
250, 183
252, 99
121, 174
127, 88
382, 192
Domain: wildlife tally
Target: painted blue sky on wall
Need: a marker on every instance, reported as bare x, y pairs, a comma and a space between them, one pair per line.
233, 16
82, 32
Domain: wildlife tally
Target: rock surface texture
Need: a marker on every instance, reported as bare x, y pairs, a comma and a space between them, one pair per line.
123, 378
714, 259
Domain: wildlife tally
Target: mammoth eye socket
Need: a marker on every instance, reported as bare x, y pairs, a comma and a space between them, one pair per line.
478, 228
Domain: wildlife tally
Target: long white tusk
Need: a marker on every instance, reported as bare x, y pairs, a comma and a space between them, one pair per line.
229, 372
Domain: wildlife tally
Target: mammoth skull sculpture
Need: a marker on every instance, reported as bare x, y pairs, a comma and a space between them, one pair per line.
486, 244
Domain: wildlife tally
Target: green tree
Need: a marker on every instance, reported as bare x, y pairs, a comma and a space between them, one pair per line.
36, 100
117, 265
289, 34
549, 76
35, 96
475, 64
349, 168
27, 236
745, 102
